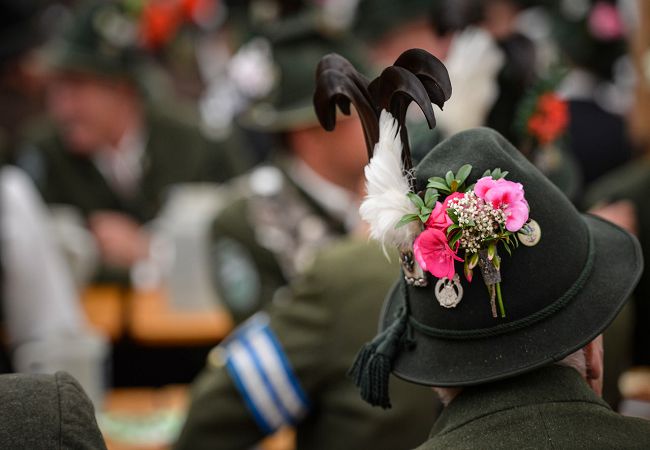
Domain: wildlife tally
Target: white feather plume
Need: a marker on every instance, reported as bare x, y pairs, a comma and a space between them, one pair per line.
386, 201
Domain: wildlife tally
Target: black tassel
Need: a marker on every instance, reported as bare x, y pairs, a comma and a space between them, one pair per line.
372, 366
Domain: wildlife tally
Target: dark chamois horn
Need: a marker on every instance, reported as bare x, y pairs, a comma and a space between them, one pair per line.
430, 71
394, 90
339, 84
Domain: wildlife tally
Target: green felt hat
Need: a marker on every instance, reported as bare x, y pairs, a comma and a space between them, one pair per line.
101, 38
559, 294
289, 104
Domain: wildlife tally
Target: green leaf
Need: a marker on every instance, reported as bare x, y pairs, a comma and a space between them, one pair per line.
496, 173
473, 260
454, 185
492, 250
452, 215
426, 210
451, 228
408, 218
471, 223
507, 247
415, 198
469, 273
424, 217
463, 173
440, 186
487, 173
496, 262
449, 177
454, 239
431, 197
503, 174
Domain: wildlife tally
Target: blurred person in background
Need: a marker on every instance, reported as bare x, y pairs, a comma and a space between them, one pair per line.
281, 213
287, 365
621, 195
43, 322
591, 36
106, 150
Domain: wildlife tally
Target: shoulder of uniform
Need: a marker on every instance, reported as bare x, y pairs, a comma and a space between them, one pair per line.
630, 180
352, 259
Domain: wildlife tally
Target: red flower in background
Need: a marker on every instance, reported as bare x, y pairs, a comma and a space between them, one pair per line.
550, 118
161, 19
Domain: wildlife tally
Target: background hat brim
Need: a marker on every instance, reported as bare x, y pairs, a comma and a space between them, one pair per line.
265, 118
618, 264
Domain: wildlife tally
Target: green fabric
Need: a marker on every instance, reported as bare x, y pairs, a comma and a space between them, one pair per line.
331, 310
237, 221
550, 408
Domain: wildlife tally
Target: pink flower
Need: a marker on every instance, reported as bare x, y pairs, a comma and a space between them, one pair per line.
483, 185
605, 22
439, 218
451, 197
432, 252
506, 195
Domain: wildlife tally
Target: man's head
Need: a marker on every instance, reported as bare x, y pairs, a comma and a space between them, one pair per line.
91, 111
339, 155
287, 111
92, 92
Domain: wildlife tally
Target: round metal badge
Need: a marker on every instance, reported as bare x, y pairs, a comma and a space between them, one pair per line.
449, 293
530, 234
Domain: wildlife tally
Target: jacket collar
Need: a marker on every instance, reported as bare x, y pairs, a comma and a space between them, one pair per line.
546, 385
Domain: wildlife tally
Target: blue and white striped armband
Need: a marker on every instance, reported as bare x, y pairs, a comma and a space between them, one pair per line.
261, 372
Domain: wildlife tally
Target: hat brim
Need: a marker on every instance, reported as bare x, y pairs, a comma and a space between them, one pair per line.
265, 118
618, 264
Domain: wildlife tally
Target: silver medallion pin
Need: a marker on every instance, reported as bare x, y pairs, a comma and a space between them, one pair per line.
530, 234
449, 293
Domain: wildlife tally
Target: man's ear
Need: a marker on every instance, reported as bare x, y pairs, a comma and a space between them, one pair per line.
595, 369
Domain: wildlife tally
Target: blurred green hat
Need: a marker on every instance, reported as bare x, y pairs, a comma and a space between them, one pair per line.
100, 38
377, 18
288, 104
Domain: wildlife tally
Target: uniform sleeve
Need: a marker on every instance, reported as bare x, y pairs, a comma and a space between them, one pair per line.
264, 377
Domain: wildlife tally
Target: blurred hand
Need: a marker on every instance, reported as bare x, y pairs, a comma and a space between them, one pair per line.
621, 213
121, 241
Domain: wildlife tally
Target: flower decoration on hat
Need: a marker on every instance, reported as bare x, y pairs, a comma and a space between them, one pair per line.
469, 224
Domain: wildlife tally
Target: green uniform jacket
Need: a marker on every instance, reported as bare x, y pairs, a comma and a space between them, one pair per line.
262, 239
551, 408
331, 312
175, 152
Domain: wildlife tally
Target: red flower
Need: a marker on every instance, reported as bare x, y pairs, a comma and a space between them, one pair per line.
431, 250
550, 119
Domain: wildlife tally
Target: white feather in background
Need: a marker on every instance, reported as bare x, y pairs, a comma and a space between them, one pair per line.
386, 201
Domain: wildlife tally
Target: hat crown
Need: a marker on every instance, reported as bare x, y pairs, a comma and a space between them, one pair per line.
534, 278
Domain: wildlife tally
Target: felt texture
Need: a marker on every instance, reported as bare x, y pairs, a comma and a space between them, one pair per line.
46, 412
532, 279
549, 408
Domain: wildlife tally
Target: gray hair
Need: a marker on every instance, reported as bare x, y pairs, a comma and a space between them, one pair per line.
575, 360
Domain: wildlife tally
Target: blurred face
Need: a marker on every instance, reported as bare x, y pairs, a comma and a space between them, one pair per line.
87, 110
338, 155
